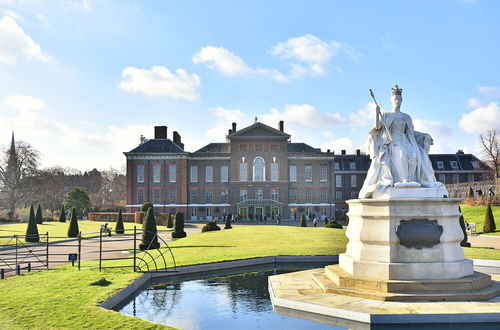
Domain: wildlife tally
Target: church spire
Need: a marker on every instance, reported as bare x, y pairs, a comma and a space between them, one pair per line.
12, 143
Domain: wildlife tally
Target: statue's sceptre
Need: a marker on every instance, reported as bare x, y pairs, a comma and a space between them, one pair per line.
380, 116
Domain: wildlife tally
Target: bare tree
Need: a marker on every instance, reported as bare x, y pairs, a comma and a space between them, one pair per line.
490, 142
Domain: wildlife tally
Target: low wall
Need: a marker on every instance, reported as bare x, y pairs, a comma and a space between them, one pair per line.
110, 216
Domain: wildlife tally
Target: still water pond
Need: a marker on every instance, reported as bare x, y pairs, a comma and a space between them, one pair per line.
238, 301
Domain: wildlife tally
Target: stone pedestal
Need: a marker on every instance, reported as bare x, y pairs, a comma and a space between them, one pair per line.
376, 249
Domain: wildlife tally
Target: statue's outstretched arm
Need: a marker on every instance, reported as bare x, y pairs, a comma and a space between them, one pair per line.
424, 140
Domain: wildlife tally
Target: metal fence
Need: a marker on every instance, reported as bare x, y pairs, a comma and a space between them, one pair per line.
104, 249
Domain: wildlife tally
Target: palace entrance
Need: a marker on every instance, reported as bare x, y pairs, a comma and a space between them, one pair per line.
256, 209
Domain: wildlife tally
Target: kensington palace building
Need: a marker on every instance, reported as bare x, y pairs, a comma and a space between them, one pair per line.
259, 174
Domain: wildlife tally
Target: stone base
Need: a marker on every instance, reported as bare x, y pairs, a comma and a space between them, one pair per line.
474, 287
300, 292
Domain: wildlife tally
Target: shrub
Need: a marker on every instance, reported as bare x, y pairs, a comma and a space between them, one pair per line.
119, 228
303, 222
78, 199
62, 216
145, 207
333, 224
210, 226
179, 226
228, 222
170, 221
38, 217
489, 221
470, 193
149, 231
32, 230
73, 230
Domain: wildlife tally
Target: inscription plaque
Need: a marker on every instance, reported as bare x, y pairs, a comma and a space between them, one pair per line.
419, 233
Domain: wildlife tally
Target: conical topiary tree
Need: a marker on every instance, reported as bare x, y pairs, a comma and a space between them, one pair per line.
38, 217
489, 221
228, 222
170, 220
303, 222
32, 230
73, 230
470, 193
179, 226
62, 215
119, 228
462, 226
145, 207
149, 231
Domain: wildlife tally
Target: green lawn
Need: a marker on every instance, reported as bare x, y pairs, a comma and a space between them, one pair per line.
475, 214
58, 230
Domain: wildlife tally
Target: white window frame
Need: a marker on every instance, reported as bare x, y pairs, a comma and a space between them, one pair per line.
442, 178
440, 165
308, 173
172, 193
259, 194
193, 193
455, 178
255, 178
352, 166
470, 177
156, 173
243, 172
324, 195
193, 174
293, 196
274, 171
172, 172
209, 174
308, 196
156, 196
293, 173
140, 173
454, 164
338, 181
209, 196
338, 195
323, 173
354, 181
140, 192
243, 195
224, 198
336, 166
275, 195
224, 174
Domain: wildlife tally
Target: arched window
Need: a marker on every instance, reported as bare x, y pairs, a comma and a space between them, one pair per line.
259, 169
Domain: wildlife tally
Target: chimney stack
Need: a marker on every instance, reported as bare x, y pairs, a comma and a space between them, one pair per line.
460, 152
342, 152
177, 140
234, 127
358, 152
230, 132
328, 150
282, 125
160, 132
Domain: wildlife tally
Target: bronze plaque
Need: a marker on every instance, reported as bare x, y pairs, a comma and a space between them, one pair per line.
419, 233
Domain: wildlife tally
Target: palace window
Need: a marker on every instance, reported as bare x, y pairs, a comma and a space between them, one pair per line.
338, 181
275, 194
243, 172
308, 173
354, 181
352, 166
354, 194
440, 165
258, 147
293, 173
209, 196
193, 196
324, 195
456, 178
156, 173
293, 196
194, 173
259, 169
140, 173
323, 173
172, 196
223, 196
470, 177
156, 196
308, 195
338, 195
224, 174
243, 195
140, 196
337, 166
274, 171
442, 178
173, 173
454, 164
259, 194
209, 174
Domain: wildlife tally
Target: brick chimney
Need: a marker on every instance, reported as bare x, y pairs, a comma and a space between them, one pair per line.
282, 125
177, 140
460, 152
342, 152
160, 132
234, 127
358, 152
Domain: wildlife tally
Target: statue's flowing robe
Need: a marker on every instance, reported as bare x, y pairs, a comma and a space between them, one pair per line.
379, 176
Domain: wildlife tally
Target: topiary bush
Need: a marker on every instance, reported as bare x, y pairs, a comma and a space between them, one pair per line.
461, 220
62, 215
32, 229
210, 226
73, 230
119, 228
145, 207
333, 224
228, 222
303, 222
149, 231
170, 221
489, 221
179, 226
38, 217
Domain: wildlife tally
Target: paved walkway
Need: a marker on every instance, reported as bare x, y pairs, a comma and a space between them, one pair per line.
484, 241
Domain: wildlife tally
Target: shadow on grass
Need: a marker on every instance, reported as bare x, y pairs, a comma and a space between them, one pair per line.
201, 246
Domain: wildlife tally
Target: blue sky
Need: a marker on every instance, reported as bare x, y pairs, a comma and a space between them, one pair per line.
82, 79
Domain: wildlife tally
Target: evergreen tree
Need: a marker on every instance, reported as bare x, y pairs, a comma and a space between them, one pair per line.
462, 226
119, 228
73, 230
149, 231
38, 217
78, 199
62, 216
178, 231
32, 230
489, 221
303, 222
146, 206
228, 222
470, 193
170, 221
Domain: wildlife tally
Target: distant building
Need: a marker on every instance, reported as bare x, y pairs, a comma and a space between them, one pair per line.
258, 173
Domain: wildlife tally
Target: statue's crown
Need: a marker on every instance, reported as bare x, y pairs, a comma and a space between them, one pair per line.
396, 90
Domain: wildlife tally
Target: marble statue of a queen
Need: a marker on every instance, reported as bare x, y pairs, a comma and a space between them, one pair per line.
399, 155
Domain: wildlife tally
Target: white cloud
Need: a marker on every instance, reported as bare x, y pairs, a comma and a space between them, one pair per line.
223, 117
15, 42
84, 5
337, 145
159, 81
489, 91
364, 116
435, 128
481, 119
307, 48
222, 60
24, 102
305, 115
474, 103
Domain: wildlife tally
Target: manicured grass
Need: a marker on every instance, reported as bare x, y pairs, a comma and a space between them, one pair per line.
64, 298
475, 214
58, 230
482, 253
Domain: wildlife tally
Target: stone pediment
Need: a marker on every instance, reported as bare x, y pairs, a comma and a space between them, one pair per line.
259, 131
